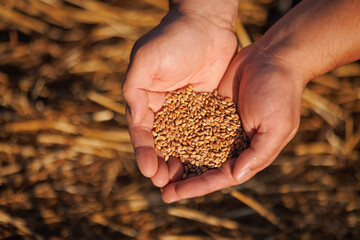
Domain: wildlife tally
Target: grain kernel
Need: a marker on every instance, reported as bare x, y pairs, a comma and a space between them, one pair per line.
202, 129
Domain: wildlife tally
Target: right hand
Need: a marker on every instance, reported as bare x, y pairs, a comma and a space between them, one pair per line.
268, 98
187, 47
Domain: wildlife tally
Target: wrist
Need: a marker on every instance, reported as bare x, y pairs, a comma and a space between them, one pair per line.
286, 57
266, 62
315, 37
220, 13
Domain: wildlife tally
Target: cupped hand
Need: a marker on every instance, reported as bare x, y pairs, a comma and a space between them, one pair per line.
185, 48
268, 96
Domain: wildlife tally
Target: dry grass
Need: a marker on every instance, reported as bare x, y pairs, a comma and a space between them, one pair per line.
67, 170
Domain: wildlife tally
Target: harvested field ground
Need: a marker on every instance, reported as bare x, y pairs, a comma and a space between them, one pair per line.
67, 169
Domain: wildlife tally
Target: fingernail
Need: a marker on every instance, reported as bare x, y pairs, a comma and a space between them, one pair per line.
243, 175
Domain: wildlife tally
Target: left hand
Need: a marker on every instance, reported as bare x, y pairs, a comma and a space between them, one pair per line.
187, 47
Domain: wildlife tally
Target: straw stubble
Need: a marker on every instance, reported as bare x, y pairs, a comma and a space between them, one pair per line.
203, 130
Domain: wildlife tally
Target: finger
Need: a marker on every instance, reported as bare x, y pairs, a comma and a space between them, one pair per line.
229, 85
265, 146
142, 140
176, 169
137, 79
138, 101
161, 177
208, 182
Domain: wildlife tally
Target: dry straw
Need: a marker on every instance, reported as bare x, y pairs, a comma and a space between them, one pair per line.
66, 175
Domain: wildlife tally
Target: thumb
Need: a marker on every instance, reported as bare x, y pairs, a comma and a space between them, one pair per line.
138, 102
136, 81
229, 85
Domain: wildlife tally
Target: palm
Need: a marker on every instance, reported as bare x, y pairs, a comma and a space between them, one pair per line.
186, 51
269, 105
182, 50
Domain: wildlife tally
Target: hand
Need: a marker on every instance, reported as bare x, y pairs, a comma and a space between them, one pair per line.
267, 79
269, 102
185, 48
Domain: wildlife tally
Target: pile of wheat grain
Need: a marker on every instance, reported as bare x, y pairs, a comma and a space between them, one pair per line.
203, 130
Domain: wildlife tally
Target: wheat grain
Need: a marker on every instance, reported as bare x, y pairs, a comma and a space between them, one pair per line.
203, 130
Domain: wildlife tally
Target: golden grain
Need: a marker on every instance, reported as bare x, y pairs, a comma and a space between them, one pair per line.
202, 129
